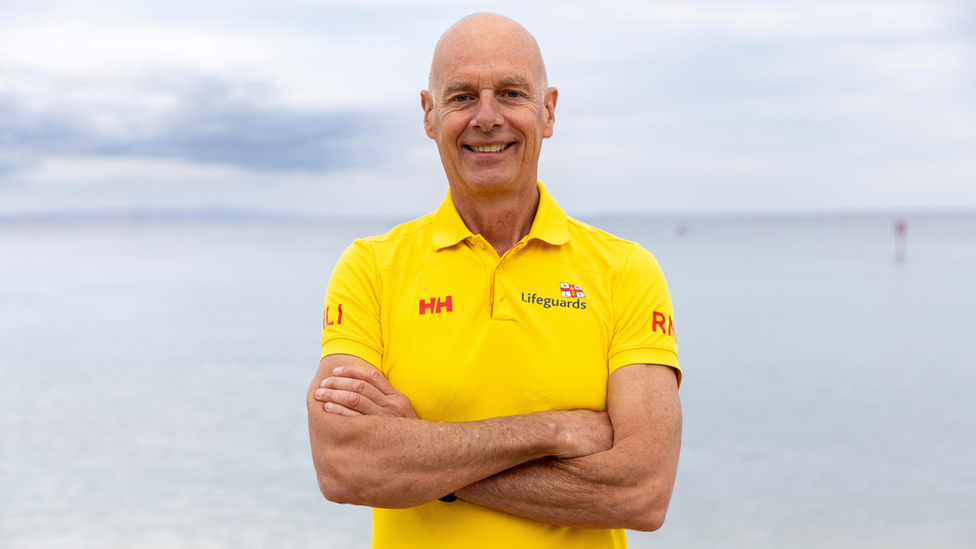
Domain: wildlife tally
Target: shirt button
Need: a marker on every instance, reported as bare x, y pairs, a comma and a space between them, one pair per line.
479, 245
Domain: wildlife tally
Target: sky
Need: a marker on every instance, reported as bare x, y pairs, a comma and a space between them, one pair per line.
313, 108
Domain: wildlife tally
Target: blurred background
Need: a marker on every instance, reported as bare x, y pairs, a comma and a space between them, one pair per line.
178, 179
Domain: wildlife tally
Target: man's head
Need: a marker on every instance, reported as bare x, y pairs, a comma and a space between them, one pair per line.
488, 105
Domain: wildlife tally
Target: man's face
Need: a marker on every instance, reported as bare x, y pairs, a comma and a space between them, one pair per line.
488, 111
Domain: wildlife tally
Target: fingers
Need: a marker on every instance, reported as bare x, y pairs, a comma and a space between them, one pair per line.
339, 409
348, 399
366, 373
353, 386
364, 389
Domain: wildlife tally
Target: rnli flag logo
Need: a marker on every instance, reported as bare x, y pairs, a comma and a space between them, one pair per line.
570, 290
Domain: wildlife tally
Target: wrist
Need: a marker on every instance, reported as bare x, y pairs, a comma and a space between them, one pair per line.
555, 438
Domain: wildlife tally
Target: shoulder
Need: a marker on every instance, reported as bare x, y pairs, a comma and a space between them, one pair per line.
593, 236
603, 251
405, 231
403, 234
397, 241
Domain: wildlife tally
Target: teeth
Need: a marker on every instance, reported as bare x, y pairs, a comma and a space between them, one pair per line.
488, 148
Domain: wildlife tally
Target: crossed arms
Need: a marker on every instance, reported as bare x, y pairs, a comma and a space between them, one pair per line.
612, 469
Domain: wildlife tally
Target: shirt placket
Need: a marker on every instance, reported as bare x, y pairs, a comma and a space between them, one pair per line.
495, 296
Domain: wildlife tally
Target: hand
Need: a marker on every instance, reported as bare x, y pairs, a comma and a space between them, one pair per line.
354, 390
584, 432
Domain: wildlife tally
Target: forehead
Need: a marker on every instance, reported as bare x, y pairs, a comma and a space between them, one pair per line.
482, 72
487, 59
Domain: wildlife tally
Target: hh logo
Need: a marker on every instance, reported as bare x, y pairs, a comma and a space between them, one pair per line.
571, 290
436, 305
327, 322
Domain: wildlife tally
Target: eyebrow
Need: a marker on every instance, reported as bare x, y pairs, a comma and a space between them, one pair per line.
517, 82
461, 86
453, 87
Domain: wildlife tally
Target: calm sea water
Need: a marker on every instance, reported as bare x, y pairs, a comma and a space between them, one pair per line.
152, 381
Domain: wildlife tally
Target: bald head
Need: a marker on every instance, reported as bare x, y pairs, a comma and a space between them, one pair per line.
485, 32
489, 108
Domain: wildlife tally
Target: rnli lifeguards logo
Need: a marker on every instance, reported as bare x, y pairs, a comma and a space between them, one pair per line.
572, 295
571, 290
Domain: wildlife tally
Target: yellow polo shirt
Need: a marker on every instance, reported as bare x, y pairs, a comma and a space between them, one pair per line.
467, 335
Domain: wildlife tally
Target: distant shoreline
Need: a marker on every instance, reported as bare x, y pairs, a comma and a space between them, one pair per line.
226, 215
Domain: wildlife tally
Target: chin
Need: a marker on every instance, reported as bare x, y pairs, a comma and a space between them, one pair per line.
491, 187
494, 180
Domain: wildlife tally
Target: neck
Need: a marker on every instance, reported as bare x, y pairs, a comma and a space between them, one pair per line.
501, 219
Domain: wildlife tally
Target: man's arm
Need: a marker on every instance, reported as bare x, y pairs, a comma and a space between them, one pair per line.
628, 486
386, 458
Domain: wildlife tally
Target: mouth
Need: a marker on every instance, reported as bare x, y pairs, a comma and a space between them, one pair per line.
497, 148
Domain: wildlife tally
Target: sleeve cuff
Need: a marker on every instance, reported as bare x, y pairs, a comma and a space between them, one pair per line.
646, 355
354, 348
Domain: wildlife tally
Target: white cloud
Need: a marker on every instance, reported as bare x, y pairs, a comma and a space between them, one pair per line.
90, 48
686, 105
71, 171
302, 68
791, 19
99, 184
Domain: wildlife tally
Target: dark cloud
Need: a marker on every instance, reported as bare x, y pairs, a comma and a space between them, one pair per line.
202, 120
254, 138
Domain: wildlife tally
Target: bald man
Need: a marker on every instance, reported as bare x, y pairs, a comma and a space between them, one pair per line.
496, 374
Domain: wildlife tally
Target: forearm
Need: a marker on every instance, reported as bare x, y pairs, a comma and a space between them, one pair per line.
397, 462
627, 486
597, 491
369, 448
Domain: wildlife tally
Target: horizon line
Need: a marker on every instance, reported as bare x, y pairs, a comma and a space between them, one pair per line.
227, 214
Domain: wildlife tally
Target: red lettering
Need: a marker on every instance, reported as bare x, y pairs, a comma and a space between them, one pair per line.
670, 326
658, 321
327, 322
436, 305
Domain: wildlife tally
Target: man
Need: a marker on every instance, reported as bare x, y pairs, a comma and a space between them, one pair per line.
495, 374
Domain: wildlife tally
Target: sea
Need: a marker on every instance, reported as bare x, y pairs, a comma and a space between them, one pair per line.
153, 373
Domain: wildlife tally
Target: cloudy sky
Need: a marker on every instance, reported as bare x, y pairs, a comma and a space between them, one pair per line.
313, 107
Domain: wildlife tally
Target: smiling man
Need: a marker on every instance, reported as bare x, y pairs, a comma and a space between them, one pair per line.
495, 373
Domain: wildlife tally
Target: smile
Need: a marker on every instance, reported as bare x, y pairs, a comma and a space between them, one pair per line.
488, 148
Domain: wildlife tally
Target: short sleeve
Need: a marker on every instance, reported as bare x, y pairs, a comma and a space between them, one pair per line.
351, 318
643, 316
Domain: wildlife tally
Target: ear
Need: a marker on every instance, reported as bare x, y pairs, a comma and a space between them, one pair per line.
427, 103
549, 114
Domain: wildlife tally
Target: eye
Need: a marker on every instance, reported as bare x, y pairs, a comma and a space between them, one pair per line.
461, 99
513, 94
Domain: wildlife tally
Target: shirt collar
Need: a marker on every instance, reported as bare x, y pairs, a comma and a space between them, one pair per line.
550, 224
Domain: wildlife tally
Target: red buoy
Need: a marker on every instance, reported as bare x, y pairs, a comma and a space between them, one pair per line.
901, 228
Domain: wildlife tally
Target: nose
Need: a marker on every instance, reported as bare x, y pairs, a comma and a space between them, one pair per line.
489, 112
